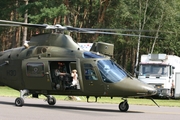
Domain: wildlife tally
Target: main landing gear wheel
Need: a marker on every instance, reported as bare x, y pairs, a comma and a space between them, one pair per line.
51, 100
123, 106
19, 102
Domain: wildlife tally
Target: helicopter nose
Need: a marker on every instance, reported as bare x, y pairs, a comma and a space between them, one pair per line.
137, 88
146, 90
150, 90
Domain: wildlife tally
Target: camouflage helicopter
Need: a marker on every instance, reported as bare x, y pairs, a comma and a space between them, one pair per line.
31, 69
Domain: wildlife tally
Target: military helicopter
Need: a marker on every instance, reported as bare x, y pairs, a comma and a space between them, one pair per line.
30, 69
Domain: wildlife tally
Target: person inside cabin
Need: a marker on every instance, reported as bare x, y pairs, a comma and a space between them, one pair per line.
60, 71
60, 75
75, 84
75, 81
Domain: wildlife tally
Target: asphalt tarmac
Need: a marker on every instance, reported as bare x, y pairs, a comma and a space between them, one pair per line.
37, 109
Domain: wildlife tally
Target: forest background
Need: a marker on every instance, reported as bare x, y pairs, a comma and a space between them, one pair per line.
158, 18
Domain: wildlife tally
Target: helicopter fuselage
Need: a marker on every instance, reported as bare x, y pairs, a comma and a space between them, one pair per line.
32, 69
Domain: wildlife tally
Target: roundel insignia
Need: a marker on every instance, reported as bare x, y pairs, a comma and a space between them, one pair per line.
35, 69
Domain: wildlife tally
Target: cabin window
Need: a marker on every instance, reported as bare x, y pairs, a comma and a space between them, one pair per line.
35, 69
89, 72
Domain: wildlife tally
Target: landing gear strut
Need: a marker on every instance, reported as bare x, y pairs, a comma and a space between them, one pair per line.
123, 106
19, 101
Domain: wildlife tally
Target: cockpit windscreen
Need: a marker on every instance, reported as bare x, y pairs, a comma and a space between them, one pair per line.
110, 72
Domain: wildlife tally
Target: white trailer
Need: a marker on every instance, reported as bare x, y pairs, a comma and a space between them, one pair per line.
160, 70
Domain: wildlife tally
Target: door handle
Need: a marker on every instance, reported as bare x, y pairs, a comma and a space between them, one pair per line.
91, 83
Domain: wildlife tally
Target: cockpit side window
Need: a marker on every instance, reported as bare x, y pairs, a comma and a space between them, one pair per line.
89, 72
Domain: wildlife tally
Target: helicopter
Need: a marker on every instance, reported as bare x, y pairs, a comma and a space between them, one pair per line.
30, 69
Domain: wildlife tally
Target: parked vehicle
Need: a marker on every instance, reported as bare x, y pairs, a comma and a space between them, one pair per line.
163, 72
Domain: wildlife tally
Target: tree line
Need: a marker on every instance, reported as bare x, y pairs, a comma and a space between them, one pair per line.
156, 18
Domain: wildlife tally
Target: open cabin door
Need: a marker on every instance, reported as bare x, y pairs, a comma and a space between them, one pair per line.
60, 73
36, 75
91, 78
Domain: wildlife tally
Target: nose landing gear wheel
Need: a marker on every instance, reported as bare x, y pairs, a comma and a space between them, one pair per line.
123, 106
19, 102
51, 100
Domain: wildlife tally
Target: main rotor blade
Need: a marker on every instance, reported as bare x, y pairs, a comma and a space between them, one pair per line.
84, 30
45, 26
123, 30
23, 24
9, 25
112, 33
